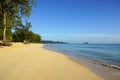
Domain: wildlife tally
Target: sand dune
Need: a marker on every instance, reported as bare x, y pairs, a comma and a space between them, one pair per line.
32, 62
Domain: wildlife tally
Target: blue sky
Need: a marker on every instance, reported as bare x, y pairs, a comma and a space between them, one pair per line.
77, 21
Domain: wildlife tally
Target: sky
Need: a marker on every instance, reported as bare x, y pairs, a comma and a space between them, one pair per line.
77, 21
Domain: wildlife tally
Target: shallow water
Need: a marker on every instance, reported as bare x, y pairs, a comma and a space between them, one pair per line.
108, 54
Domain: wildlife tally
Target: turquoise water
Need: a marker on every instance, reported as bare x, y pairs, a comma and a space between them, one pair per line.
104, 53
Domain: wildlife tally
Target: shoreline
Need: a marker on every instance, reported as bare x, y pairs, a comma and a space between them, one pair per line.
32, 62
106, 71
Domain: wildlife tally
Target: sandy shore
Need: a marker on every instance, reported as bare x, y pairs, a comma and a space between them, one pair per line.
32, 62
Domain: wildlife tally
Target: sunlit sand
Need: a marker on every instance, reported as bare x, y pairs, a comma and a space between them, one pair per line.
32, 62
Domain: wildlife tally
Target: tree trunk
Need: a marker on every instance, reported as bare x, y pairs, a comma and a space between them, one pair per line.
4, 34
4, 27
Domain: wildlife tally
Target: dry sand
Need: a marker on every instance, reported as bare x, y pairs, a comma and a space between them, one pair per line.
32, 62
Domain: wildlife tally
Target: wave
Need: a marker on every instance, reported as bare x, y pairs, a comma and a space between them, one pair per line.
104, 64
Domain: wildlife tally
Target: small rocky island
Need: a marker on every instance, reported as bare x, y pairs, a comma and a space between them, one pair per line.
85, 43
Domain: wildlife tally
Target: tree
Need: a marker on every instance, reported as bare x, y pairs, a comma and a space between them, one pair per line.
34, 38
11, 11
6, 16
23, 33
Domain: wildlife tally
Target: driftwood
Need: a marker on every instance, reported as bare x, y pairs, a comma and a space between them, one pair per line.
5, 44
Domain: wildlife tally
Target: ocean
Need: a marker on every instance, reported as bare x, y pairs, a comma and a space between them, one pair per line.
105, 54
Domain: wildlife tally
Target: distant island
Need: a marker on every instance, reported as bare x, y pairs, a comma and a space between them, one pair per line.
85, 43
52, 42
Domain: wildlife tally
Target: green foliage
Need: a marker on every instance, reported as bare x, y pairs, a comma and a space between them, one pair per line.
11, 12
23, 32
33, 38
9, 35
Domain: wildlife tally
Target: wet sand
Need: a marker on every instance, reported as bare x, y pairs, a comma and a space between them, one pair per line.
106, 72
32, 62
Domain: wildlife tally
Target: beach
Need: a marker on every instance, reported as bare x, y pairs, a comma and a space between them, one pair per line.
102, 59
32, 62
